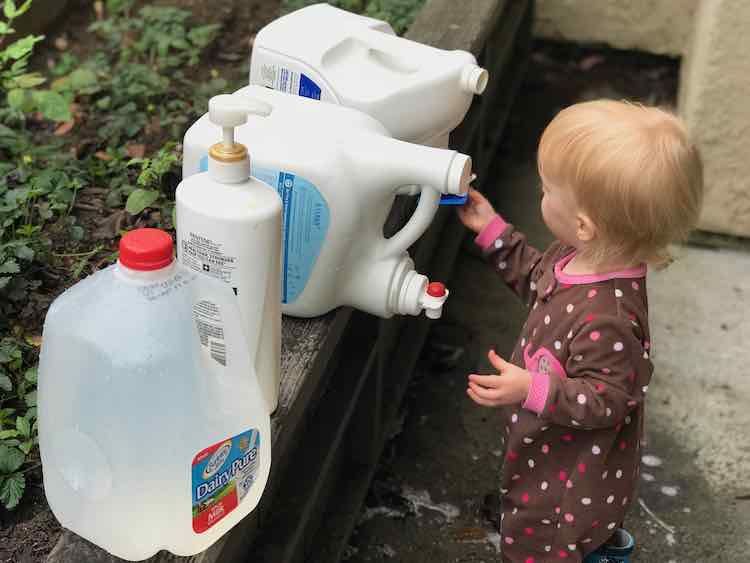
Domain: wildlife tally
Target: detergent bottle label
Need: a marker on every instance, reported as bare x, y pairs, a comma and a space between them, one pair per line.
306, 219
289, 81
223, 474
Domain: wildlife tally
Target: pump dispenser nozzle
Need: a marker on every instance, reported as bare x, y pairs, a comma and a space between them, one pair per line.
229, 161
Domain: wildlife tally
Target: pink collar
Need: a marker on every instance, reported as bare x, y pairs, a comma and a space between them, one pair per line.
574, 279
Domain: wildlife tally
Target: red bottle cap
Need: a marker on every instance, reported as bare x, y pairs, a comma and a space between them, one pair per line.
146, 249
436, 289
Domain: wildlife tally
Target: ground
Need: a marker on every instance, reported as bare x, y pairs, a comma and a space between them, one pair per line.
695, 492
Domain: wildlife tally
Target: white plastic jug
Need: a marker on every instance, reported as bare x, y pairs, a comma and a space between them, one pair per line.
338, 172
152, 429
420, 93
229, 227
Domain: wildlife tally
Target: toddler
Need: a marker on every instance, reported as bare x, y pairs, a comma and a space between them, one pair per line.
620, 182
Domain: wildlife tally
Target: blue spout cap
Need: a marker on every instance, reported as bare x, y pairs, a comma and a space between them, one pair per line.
454, 199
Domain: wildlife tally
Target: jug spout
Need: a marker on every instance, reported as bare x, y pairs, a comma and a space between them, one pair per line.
447, 171
416, 294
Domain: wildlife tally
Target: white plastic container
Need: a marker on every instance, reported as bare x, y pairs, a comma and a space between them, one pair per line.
338, 172
229, 227
419, 93
149, 407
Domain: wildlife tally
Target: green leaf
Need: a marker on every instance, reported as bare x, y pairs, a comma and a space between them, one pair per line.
76, 232
30, 398
7, 132
140, 199
20, 100
29, 80
21, 47
23, 252
83, 79
9, 9
12, 489
31, 375
5, 383
5, 434
10, 459
9, 267
23, 8
52, 105
26, 446
23, 427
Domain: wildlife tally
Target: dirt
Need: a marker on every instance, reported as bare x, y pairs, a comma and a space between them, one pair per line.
28, 533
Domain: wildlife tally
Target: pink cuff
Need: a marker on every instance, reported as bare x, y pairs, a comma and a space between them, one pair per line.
538, 391
491, 232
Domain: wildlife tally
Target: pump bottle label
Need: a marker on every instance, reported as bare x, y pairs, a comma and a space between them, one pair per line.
223, 474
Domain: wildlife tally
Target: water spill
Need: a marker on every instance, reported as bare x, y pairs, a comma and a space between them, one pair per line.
422, 499
671, 541
651, 461
494, 538
371, 512
670, 491
648, 477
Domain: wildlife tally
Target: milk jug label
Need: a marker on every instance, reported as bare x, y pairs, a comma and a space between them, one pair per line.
286, 80
211, 330
306, 219
223, 474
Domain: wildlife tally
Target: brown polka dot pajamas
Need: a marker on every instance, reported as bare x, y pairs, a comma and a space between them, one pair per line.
572, 447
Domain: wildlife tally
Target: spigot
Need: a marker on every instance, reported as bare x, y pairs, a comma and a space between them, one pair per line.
433, 299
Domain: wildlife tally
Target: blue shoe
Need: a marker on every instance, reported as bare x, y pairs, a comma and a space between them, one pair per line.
617, 549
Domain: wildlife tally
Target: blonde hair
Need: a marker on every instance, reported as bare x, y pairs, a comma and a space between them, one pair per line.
632, 169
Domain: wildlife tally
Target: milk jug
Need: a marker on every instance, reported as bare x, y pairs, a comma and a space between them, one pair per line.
337, 172
152, 429
419, 93
229, 227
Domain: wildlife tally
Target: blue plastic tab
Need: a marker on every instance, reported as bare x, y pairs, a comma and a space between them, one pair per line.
453, 199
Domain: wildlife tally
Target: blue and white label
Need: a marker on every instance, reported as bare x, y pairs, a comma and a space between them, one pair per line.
289, 81
306, 218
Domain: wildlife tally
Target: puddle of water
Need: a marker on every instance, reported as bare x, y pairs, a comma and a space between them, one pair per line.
421, 499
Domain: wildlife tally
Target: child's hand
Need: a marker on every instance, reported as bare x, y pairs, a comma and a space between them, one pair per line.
477, 212
508, 388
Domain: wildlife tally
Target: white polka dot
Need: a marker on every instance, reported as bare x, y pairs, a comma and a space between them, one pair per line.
570, 334
536, 304
545, 428
611, 526
528, 440
533, 333
581, 399
627, 420
498, 243
514, 418
515, 511
558, 345
569, 308
608, 411
610, 499
531, 463
544, 486
625, 501
545, 521
571, 547
547, 320
645, 355
585, 501
618, 346
618, 474
604, 475
574, 422
532, 285
586, 540
503, 491
618, 293
502, 265
596, 450
523, 341
547, 548
569, 484
578, 357
645, 388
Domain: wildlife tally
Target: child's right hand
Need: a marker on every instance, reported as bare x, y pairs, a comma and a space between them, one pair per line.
477, 212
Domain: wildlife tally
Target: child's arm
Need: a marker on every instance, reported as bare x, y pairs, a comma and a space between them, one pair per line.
506, 249
607, 372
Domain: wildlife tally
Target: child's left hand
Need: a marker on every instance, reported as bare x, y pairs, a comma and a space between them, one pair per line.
511, 386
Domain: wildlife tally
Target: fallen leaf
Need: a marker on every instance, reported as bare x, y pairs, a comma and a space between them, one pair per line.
469, 534
111, 226
35, 340
135, 150
64, 128
101, 155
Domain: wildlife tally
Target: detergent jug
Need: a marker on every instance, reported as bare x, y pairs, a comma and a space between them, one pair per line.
337, 172
229, 227
419, 93
152, 429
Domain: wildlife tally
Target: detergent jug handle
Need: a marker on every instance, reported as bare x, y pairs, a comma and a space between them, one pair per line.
429, 201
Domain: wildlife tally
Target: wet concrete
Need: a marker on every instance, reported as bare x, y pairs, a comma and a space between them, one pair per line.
695, 493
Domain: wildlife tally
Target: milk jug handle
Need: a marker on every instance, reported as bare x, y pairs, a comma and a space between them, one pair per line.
429, 201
